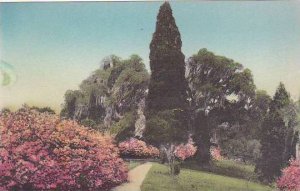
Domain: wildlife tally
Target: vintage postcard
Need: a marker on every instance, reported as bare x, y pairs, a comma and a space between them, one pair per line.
150, 96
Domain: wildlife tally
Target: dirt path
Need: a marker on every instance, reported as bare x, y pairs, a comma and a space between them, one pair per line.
135, 178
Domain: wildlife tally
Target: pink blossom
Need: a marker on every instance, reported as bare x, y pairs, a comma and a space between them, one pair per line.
137, 149
184, 151
215, 153
290, 179
47, 153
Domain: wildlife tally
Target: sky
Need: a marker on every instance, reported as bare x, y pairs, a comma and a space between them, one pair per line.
48, 48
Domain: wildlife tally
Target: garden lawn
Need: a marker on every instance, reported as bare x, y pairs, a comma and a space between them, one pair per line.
133, 164
158, 178
227, 168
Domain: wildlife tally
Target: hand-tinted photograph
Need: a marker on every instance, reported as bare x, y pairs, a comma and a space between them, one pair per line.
150, 96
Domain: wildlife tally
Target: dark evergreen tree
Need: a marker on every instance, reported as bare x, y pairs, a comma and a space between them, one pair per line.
167, 103
275, 133
168, 86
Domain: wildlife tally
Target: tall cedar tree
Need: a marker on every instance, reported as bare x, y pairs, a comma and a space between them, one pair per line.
166, 103
168, 86
273, 139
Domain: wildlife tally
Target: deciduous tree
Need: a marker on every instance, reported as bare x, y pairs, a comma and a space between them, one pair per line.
221, 91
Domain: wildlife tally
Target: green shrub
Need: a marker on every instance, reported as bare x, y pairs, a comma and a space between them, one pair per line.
124, 128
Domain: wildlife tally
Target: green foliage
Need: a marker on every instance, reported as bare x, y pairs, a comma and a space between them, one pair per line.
221, 92
164, 127
168, 86
281, 98
114, 73
241, 148
277, 136
131, 83
124, 128
43, 109
258, 113
71, 99
242, 140
109, 93
214, 78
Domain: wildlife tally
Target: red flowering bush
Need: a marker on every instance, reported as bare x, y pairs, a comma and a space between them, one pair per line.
290, 179
185, 151
40, 152
137, 149
215, 153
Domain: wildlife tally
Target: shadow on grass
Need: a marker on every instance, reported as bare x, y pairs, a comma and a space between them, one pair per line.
226, 168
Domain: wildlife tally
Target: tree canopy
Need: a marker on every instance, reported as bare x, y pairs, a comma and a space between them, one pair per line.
221, 91
109, 95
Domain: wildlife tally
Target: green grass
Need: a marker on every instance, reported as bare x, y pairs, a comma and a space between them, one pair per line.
133, 164
227, 168
158, 178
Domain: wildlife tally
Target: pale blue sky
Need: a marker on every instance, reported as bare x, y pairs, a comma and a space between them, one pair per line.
54, 46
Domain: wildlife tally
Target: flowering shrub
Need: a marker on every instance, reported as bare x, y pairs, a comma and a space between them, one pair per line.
137, 149
290, 179
215, 153
41, 152
184, 151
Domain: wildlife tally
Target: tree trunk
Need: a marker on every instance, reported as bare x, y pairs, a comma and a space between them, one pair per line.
295, 151
169, 151
288, 149
162, 155
202, 138
202, 154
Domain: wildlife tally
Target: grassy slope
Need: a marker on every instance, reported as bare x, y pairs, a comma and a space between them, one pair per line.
192, 180
226, 168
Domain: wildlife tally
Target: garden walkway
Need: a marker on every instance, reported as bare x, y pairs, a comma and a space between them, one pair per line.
135, 178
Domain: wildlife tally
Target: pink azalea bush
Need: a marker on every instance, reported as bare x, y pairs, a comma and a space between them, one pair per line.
215, 153
39, 151
137, 149
290, 179
185, 151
